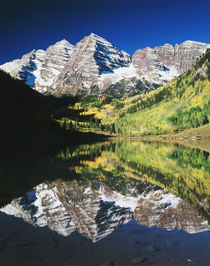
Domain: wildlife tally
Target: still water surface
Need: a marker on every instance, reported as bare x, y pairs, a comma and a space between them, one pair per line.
123, 203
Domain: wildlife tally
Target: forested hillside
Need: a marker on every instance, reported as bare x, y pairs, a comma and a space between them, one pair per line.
183, 103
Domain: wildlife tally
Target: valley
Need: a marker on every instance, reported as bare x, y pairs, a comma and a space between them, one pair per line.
101, 151
179, 109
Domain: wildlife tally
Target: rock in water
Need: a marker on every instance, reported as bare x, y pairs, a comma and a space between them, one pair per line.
137, 260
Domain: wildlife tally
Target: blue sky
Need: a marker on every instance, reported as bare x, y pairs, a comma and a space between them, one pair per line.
127, 24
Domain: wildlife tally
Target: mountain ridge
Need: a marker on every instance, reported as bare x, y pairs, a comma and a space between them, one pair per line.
94, 65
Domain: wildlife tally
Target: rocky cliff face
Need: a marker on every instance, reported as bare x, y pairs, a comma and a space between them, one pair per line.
56, 57
163, 63
92, 57
95, 213
94, 65
182, 56
25, 67
40, 68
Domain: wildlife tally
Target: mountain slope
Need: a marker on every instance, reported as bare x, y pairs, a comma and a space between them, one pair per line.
27, 115
163, 63
95, 66
91, 57
19, 98
30, 119
40, 68
183, 103
23, 112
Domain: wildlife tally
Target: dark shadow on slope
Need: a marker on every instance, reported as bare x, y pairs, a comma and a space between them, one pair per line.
26, 116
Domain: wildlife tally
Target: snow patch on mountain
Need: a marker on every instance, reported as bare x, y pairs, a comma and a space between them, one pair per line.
107, 79
25, 67
40, 68
160, 76
92, 57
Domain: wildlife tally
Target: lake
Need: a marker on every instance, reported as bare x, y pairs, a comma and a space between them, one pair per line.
110, 203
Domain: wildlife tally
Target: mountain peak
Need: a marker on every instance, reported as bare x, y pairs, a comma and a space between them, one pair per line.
64, 68
93, 35
193, 43
173, 60
63, 42
96, 37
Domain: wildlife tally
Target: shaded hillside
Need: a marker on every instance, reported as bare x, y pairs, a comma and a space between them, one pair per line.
23, 111
16, 97
29, 117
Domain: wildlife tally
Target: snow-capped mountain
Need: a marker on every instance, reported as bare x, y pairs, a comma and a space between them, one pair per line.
40, 68
95, 213
56, 57
94, 66
163, 63
25, 67
91, 58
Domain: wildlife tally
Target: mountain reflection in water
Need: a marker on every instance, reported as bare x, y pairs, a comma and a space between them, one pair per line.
108, 184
